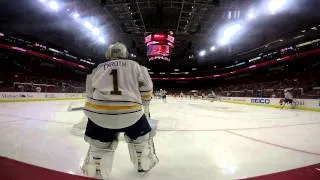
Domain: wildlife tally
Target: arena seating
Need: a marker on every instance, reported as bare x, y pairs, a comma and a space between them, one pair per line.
22, 72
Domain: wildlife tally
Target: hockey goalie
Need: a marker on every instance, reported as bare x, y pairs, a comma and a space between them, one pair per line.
117, 92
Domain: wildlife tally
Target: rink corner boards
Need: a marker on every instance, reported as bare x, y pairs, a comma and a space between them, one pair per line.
274, 105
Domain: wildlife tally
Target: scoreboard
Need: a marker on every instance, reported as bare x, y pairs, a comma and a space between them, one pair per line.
159, 46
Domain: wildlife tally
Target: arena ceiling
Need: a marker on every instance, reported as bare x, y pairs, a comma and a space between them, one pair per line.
196, 24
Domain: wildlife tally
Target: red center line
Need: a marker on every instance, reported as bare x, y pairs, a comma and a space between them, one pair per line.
239, 129
273, 144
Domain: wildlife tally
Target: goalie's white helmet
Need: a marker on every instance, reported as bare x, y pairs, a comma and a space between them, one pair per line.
117, 51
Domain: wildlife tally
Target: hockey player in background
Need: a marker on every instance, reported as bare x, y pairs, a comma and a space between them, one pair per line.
203, 95
38, 89
212, 96
288, 99
181, 94
163, 95
116, 93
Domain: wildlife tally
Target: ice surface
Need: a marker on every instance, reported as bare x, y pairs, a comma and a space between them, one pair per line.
196, 139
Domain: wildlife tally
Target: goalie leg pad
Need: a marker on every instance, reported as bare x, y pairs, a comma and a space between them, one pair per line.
99, 158
142, 152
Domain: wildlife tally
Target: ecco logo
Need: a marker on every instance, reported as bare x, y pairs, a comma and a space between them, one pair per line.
260, 101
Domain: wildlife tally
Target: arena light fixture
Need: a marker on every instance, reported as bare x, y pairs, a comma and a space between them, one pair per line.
75, 15
53, 5
43, 1
232, 30
212, 48
88, 25
96, 31
229, 14
228, 33
275, 6
238, 14
251, 15
223, 41
202, 53
102, 40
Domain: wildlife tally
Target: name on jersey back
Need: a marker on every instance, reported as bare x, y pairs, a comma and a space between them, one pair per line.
115, 64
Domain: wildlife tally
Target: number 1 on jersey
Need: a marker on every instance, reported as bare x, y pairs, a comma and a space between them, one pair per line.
115, 91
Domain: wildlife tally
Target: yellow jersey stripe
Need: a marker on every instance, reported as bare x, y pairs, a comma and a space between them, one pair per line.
147, 95
112, 107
